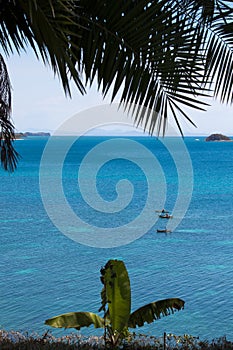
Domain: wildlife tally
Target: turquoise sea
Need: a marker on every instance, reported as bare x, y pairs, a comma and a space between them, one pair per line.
44, 273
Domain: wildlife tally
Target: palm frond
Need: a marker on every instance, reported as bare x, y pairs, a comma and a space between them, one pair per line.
160, 56
154, 53
9, 156
45, 26
214, 19
219, 60
148, 52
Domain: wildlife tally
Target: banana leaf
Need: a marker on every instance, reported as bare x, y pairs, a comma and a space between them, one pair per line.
153, 311
118, 294
76, 320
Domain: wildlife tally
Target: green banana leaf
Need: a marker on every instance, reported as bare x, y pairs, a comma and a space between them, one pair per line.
154, 311
76, 320
118, 294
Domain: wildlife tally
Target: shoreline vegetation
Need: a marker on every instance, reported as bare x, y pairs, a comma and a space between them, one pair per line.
212, 137
22, 135
14, 340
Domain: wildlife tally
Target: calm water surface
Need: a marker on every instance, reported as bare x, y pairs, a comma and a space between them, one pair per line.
44, 273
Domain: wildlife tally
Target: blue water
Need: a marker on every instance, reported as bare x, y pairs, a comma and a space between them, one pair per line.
44, 273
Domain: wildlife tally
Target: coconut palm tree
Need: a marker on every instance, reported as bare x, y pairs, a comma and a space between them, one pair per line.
116, 304
159, 55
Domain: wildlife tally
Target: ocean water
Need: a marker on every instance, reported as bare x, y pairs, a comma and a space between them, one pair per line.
44, 273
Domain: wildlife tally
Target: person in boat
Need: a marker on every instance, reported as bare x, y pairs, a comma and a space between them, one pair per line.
163, 211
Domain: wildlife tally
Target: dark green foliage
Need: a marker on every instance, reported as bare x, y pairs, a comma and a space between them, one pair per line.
116, 305
160, 56
44, 26
7, 152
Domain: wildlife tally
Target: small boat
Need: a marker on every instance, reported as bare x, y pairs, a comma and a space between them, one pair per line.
165, 216
164, 231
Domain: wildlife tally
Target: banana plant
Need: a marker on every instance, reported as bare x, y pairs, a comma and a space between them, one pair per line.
116, 305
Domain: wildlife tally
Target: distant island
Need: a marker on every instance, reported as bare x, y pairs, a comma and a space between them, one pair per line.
40, 133
218, 137
22, 135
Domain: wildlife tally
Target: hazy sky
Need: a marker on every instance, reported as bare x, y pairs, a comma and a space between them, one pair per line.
39, 102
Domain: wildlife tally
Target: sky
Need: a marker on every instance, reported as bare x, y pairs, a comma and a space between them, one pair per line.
40, 104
